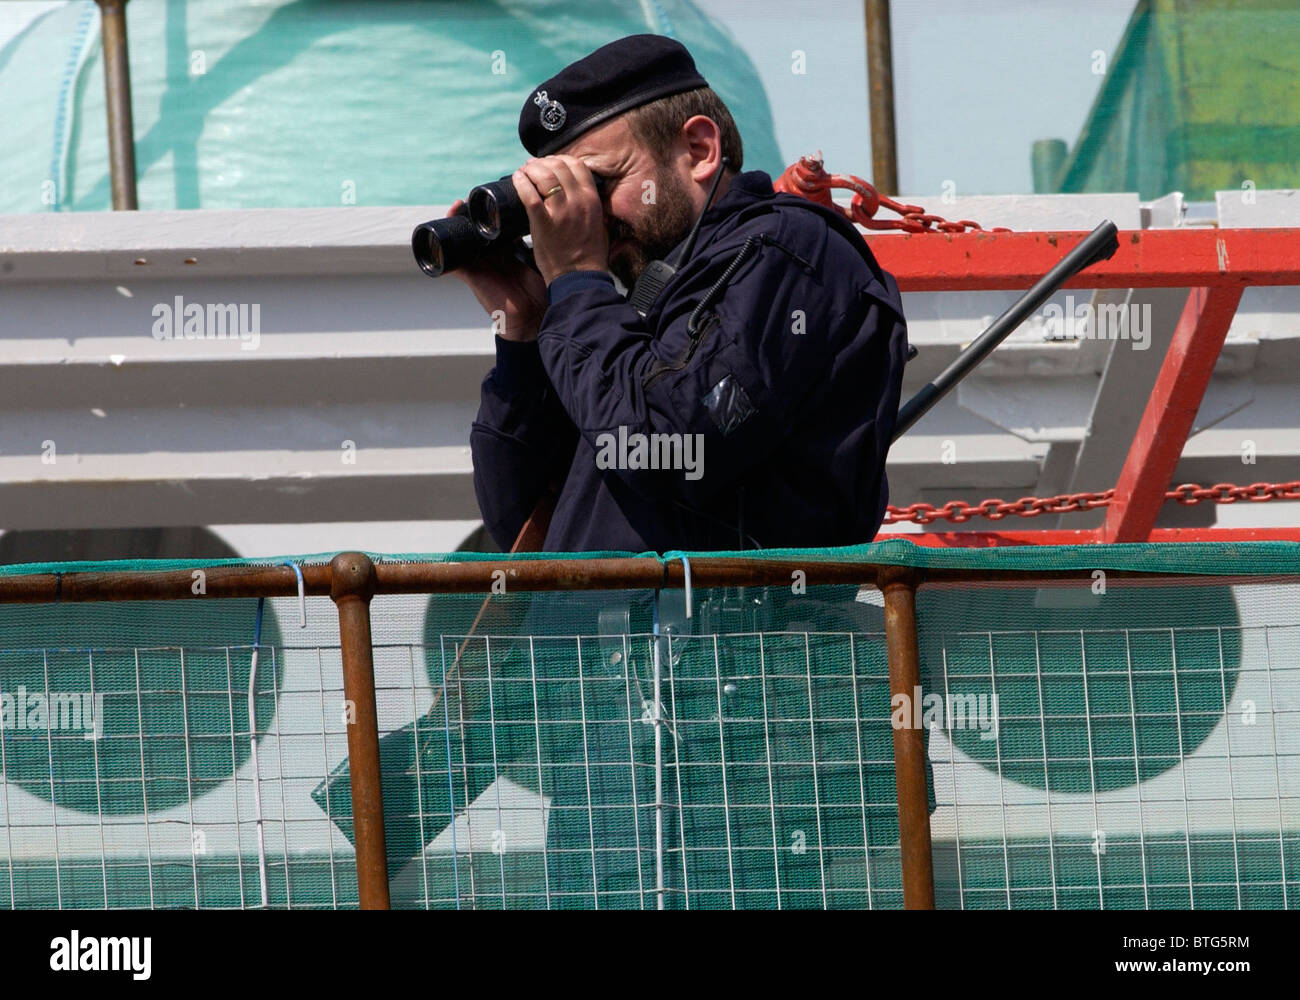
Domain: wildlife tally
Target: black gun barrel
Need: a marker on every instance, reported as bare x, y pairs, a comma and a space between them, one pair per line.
1098, 245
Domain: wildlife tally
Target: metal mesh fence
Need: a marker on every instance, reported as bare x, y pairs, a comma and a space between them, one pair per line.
129, 767
758, 781
1137, 749
1132, 765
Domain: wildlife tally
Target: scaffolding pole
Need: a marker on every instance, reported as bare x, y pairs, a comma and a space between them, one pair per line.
117, 94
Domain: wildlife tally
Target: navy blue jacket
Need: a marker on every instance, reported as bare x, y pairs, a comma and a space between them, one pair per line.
788, 379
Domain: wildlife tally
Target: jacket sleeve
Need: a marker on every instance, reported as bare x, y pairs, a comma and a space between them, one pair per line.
522, 442
758, 352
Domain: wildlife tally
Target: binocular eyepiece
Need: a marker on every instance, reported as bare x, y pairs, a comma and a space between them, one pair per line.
492, 215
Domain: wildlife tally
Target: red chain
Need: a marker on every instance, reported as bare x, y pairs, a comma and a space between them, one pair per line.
995, 510
809, 178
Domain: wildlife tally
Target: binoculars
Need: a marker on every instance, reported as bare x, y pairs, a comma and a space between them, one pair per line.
492, 216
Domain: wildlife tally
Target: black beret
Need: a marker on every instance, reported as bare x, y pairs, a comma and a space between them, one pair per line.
615, 78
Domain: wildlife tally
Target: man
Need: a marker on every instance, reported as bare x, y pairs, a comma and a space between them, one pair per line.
751, 405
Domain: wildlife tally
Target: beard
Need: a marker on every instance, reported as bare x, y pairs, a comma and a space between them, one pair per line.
663, 226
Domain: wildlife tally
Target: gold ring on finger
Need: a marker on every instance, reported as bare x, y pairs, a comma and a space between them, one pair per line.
555, 190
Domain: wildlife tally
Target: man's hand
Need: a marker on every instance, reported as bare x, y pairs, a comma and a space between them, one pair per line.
564, 215
501, 283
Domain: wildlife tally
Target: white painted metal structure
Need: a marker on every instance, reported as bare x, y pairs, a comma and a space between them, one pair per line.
343, 420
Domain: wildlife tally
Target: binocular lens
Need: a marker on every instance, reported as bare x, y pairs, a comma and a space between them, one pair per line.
443, 245
497, 210
427, 249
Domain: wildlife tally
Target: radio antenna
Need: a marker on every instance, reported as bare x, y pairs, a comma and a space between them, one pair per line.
689, 245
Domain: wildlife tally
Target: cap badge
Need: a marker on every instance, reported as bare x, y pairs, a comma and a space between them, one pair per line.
552, 113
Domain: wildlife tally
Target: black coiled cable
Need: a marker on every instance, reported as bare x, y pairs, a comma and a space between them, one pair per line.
741, 255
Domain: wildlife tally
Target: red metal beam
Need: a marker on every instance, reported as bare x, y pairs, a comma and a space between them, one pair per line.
994, 539
1167, 420
1154, 258
1216, 264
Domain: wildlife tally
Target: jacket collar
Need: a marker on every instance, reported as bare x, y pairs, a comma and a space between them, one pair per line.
745, 189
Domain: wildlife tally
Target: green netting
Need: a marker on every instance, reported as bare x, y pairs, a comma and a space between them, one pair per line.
286, 103
1089, 747
1198, 99
1207, 558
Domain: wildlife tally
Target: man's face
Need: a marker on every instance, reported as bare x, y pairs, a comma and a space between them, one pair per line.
649, 206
